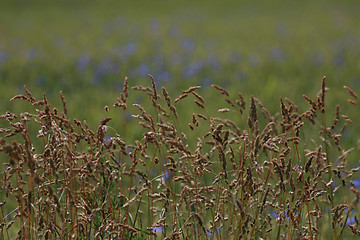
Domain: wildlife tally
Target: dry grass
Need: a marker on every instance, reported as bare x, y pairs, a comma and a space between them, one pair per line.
241, 176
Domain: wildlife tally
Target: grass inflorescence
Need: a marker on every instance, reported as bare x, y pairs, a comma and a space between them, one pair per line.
233, 172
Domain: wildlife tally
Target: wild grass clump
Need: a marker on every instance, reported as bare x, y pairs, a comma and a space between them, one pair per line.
236, 172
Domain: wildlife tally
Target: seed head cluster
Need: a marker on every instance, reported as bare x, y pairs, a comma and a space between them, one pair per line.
233, 172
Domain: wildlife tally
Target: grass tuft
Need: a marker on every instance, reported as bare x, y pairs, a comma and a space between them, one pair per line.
202, 176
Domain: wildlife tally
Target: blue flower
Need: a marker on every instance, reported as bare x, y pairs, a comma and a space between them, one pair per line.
214, 62
82, 62
318, 59
242, 76
164, 76
107, 66
159, 61
31, 54
3, 57
154, 24
188, 45
130, 49
209, 234
165, 174
41, 80
176, 59
278, 214
356, 182
350, 219
278, 54
107, 139
192, 69
143, 70
275, 215
205, 82
157, 229
339, 60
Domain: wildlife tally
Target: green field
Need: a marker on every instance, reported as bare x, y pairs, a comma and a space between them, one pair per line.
268, 49
86, 50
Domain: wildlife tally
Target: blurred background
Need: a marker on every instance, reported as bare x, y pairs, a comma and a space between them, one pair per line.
266, 49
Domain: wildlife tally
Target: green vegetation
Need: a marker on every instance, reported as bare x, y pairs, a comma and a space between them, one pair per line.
241, 175
271, 50
87, 49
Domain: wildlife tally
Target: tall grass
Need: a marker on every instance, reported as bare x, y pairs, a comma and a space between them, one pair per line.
234, 172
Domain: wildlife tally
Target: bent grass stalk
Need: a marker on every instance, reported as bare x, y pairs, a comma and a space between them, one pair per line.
196, 176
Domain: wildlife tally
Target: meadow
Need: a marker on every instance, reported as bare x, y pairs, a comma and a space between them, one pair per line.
235, 134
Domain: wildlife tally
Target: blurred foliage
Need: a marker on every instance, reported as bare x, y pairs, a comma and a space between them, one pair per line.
86, 48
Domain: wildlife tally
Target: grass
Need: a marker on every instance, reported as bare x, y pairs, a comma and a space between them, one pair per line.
86, 49
271, 50
237, 171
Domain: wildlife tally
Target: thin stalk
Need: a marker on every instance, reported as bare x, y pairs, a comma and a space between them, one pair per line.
327, 152
258, 208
